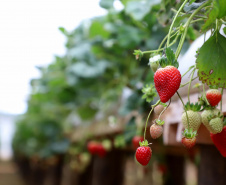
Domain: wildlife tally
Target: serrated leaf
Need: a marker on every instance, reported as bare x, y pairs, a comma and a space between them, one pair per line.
211, 62
171, 60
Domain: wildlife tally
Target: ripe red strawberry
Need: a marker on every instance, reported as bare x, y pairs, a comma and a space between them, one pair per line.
143, 155
219, 141
136, 140
156, 131
213, 96
91, 146
188, 142
167, 81
101, 152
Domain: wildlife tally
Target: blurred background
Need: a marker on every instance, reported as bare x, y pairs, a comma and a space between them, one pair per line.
70, 82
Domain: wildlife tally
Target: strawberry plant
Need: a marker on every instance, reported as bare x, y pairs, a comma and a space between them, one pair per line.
210, 67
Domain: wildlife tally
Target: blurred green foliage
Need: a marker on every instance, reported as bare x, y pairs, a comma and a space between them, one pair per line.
91, 77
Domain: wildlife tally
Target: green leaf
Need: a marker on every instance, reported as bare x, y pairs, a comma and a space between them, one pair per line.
218, 11
192, 1
139, 9
211, 61
222, 8
86, 112
212, 15
63, 30
107, 4
97, 29
224, 29
171, 59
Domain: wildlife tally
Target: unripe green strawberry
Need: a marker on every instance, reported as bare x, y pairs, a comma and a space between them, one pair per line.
206, 114
154, 66
216, 125
154, 62
194, 120
158, 109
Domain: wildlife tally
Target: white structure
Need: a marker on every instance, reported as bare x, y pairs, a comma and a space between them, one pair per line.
7, 128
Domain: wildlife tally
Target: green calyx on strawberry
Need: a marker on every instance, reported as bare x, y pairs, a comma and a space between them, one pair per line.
213, 96
208, 116
143, 153
149, 92
189, 138
194, 117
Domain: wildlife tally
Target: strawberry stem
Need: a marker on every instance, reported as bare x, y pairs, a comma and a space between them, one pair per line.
164, 110
186, 27
184, 109
222, 91
204, 94
191, 67
152, 108
171, 27
189, 86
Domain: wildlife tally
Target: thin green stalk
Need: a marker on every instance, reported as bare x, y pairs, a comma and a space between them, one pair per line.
152, 108
164, 110
204, 94
167, 37
184, 109
222, 90
197, 20
171, 27
182, 85
189, 86
153, 51
191, 67
186, 28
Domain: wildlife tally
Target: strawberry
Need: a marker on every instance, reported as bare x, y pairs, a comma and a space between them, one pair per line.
156, 131
219, 141
153, 62
136, 140
188, 142
213, 96
216, 125
207, 114
167, 81
194, 117
91, 146
101, 152
143, 154
189, 138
